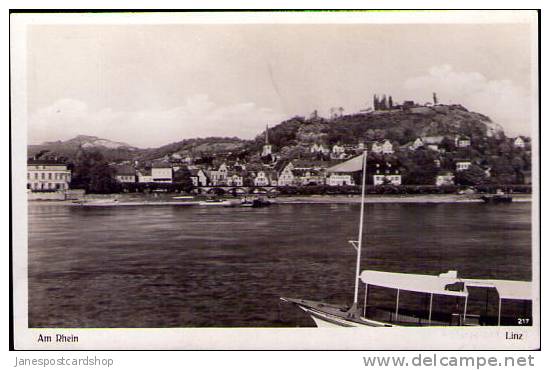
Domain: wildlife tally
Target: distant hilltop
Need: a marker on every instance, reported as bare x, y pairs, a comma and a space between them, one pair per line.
398, 123
401, 124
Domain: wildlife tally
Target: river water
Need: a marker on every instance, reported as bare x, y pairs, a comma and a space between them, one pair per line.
170, 266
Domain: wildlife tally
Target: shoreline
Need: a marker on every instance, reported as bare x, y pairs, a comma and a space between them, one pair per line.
312, 199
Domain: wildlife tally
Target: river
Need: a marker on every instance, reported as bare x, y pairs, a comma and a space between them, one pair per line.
170, 266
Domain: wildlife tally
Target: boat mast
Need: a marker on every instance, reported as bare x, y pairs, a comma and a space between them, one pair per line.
360, 238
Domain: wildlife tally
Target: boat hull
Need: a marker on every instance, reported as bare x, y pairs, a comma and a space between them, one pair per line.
329, 316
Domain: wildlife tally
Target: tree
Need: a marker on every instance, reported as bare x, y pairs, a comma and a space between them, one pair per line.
92, 173
383, 103
182, 177
390, 102
472, 176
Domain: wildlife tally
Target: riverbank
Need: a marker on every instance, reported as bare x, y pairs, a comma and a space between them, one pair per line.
137, 200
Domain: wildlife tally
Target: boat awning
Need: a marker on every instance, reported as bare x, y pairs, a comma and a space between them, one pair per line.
352, 165
507, 289
412, 282
439, 284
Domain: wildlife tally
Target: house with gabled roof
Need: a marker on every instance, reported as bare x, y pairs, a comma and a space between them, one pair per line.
285, 173
519, 142
382, 147
199, 177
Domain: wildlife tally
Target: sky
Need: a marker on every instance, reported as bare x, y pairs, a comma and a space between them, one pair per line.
150, 85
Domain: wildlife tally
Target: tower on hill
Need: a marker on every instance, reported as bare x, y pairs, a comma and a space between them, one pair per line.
266, 150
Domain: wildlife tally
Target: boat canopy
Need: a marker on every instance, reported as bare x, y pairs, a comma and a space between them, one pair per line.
412, 282
446, 284
507, 289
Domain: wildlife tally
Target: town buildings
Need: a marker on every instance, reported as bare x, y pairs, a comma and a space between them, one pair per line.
47, 175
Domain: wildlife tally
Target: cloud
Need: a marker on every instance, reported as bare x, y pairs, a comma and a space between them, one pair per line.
505, 102
197, 117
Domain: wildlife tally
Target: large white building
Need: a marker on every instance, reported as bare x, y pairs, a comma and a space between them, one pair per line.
47, 175
162, 173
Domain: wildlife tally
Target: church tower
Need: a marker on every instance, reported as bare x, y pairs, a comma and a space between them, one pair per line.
266, 150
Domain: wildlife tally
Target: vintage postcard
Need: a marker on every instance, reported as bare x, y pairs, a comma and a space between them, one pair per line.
270, 180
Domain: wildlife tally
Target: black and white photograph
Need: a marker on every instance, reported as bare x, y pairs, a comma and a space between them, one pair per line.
264, 180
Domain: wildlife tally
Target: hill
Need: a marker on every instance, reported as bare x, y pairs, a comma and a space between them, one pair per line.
192, 147
399, 126
294, 136
111, 150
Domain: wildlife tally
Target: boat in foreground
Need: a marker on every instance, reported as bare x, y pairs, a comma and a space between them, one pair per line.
462, 308
441, 300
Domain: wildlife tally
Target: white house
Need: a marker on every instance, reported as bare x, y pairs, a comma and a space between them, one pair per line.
387, 147
261, 179
319, 148
519, 142
384, 147
433, 142
463, 165
386, 174
462, 141
381, 179
199, 178
144, 176
286, 176
340, 179
234, 179
338, 149
444, 178
161, 173
418, 143
47, 175
219, 176
311, 177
